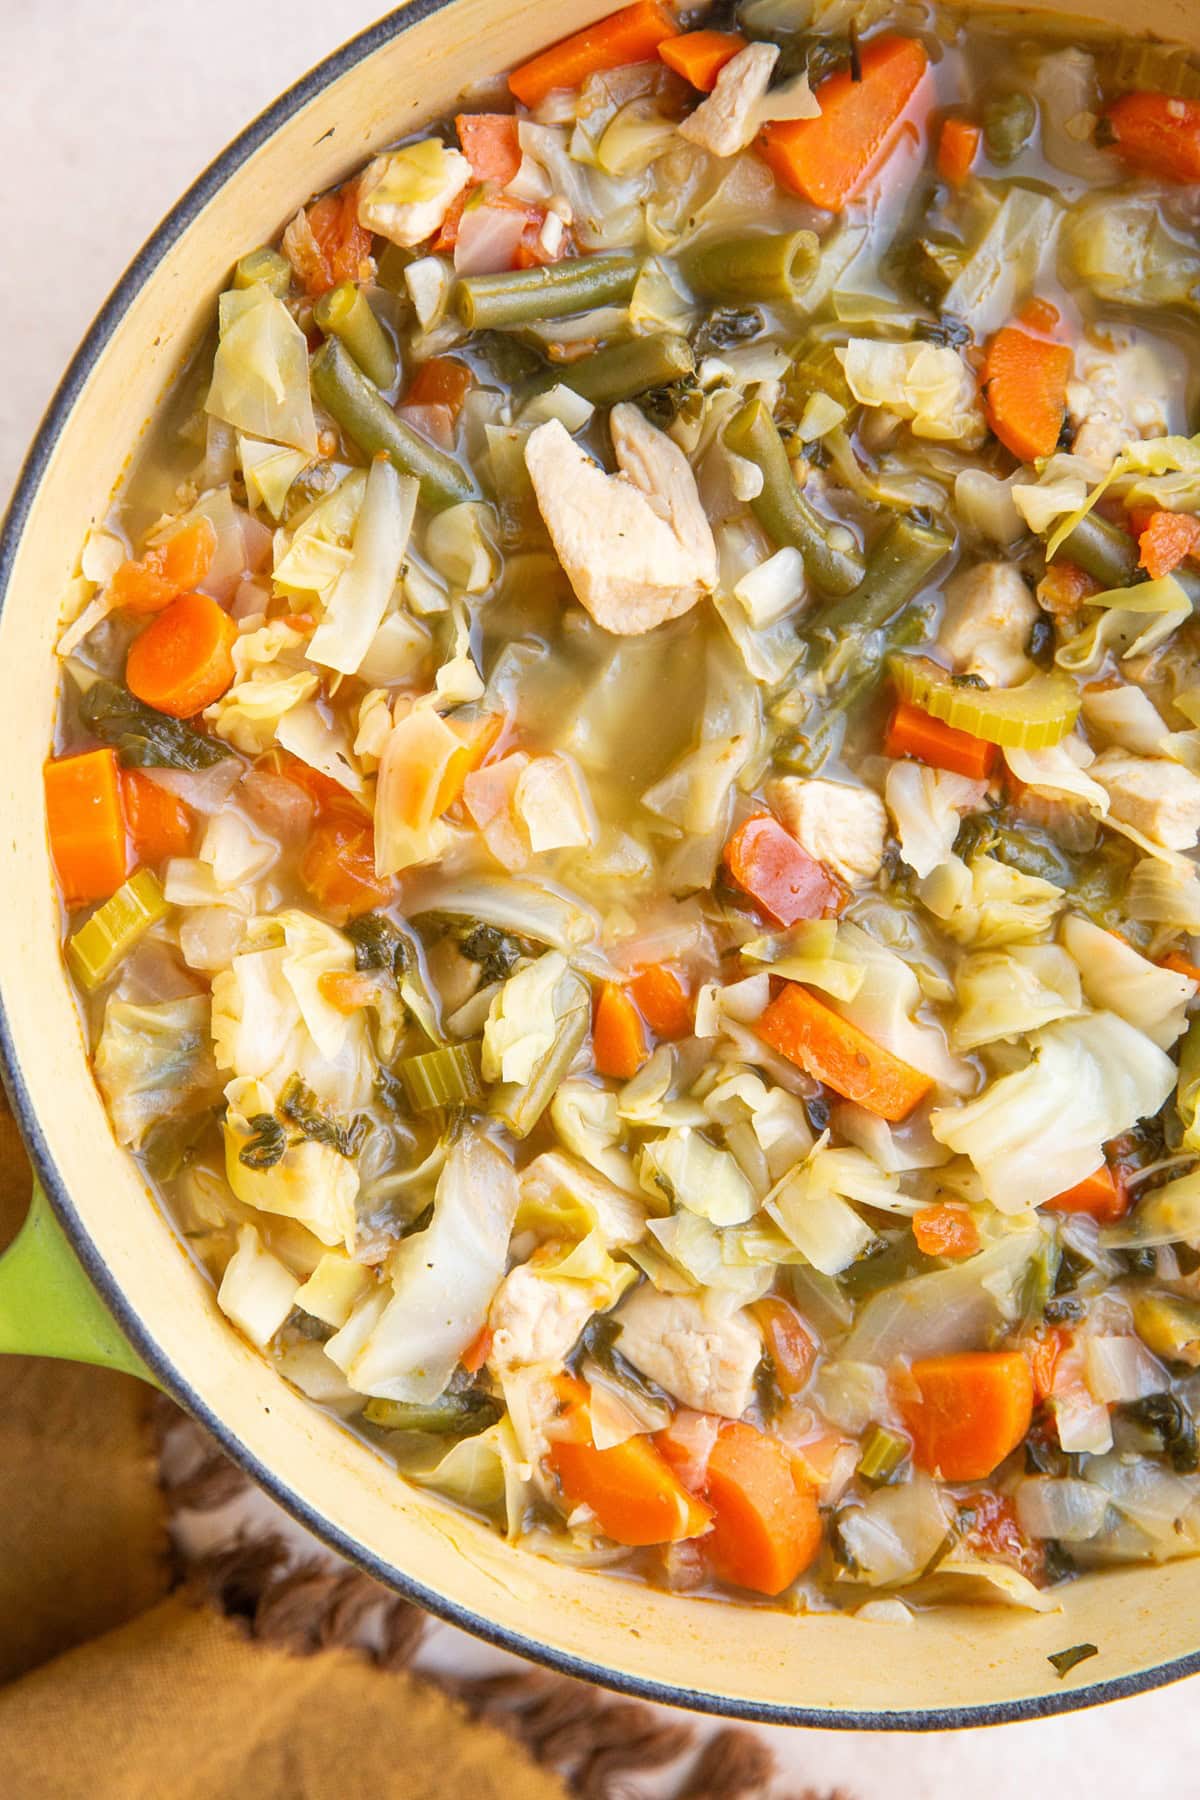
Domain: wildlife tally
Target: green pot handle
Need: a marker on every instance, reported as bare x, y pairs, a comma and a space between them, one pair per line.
48, 1307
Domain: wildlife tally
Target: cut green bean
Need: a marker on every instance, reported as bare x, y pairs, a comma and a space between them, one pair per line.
529, 296
851, 689
1102, 551
450, 1415
767, 266
623, 371
782, 510
345, 313
900, 564
365, 417
267, 266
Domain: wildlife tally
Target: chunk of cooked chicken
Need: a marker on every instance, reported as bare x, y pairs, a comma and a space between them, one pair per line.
843, 827
989, 615
637, 547
1161, 799
406, 194
705, 1360
1121, 391
727, 120
535, 1319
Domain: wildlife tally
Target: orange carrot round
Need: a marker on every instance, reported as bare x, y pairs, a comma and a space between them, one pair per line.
766, 1527
1025, 391
970, 1411
633, 1491
184, 660
159, 824
619, 1045
86, 825
825, 1045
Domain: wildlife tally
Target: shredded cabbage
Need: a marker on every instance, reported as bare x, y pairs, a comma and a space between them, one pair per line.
692, 1173
928, 384
154, 1062
260, 370
256, 1291
1116, 977
1006, 994
985, 904
355, 605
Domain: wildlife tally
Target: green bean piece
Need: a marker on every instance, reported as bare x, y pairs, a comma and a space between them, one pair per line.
528, 296
901, 563
782, 510
345, 313
267, 266
363, 414
450, 1415
1009, 121
623, 371
1103, 551
768, 266
806, 753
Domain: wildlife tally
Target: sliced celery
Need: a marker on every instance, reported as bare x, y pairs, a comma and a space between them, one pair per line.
1035, 716
443, 1077
883, 1455
112, 931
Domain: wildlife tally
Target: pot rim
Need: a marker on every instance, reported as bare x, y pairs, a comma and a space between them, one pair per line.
153, 252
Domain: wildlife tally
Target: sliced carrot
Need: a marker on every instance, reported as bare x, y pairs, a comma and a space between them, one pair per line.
477, 1351
958, 146
347, 992
1102, 1194
338, 863
1166, 540
167, 570
913, 732
829, 159
1040, 316
945, 1230
86, 825
619, 1046
663, 1001
160, 825
1157, 134
837, 1053
1180, 965
699, 56
766, 1527
629, 36
490, 144
442, 381
1043, 1352
184, 660
969, 1413
335, 247
777, 872
1025, 391
631, 1488
1064, 588
788, 1343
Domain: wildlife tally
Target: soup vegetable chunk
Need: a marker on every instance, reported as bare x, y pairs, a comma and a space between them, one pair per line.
627, 794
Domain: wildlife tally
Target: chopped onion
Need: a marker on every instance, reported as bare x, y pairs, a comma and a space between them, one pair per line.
1069, 1510
1121, 1368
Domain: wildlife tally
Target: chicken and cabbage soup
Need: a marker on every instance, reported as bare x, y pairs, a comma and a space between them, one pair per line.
626, 794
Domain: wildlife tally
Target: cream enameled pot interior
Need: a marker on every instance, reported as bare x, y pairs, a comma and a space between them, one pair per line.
743, 1659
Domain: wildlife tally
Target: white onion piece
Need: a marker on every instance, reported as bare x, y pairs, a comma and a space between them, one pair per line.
1121, 1368
1072, 1511
488, 237
204, 790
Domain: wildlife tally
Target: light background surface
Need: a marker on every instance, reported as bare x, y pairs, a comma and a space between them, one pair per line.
111, 108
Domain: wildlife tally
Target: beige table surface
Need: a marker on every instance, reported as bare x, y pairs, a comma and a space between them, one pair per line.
111, 107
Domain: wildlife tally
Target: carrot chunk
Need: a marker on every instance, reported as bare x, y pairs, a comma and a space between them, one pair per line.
478, 1350
1166, 540
1181, 965
829, 159
1157, 134
826, 1046
778, 873
184, 660
633, 1491
86, 825
619, 1045
663, 1001
489, 143
699, 56
1025, 391
969, 1413
766, 1527
167, 570
958, 146
1102, 1194
945, 1230
913, 732
338, 864
629, 36
159, 825
791, 1349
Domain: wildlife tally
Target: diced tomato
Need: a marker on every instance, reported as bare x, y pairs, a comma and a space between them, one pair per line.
442, 381
1103, 1195
489, 143
338, 864
1043, 1352
788, 1343
663, 1001
159, 825
334, 247
993, 1532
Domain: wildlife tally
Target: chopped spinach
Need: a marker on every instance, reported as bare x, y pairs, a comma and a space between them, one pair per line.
267, 1143
1065, 1660
142, 737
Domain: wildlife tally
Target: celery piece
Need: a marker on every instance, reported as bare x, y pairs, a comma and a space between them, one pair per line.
444, 1077
113, 930
1034, 716
884, 1454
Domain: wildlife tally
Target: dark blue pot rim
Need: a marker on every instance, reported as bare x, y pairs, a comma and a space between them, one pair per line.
152, 253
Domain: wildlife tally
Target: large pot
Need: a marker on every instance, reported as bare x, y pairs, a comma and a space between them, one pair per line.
956, 1667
